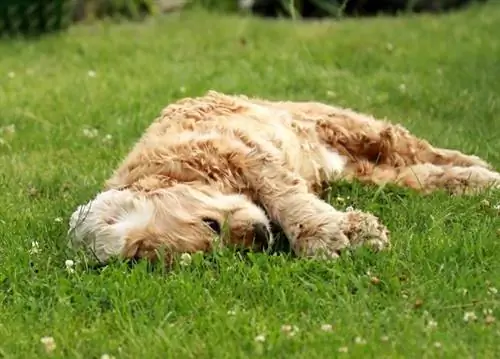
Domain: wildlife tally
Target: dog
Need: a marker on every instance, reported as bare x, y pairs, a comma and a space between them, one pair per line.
219, 170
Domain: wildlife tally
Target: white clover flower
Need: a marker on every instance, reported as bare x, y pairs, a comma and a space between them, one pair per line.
90, 132
49, 344
290, 330
8, 129
431, 324
470, 317
69, 265
326, 327
107, 138
186, 259
35, 248
359, 340
261, 338
485, 203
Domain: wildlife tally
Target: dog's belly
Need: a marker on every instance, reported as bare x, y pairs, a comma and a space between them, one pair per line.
295, 140
315, 162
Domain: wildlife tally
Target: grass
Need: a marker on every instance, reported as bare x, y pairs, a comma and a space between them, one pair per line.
436, 75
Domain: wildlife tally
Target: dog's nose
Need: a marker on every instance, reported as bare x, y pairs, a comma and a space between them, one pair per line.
262, 236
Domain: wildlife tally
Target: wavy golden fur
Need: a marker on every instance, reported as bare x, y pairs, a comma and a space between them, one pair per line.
221, 161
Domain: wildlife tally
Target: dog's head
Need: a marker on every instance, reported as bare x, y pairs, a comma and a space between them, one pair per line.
183, 218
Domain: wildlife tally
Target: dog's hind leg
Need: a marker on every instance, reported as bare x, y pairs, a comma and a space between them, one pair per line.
360, 136
427, 177
387, 144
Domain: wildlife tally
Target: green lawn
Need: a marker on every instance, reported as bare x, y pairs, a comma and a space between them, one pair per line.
78, 101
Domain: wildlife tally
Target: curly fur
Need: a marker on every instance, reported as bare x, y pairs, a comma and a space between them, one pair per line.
219, 169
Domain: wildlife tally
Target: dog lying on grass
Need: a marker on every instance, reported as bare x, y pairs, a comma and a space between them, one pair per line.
219, 169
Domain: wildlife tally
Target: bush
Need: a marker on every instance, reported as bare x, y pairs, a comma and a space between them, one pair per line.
34, 16
320, 8
217, 5
41, 16
130, 9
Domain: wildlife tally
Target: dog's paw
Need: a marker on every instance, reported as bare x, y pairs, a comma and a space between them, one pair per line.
337, 231
363, 228
455, 180
470, 180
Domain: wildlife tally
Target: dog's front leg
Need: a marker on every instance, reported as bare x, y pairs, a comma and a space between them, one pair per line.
313, 227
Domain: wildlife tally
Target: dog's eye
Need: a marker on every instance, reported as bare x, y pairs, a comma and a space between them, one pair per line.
213, 224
